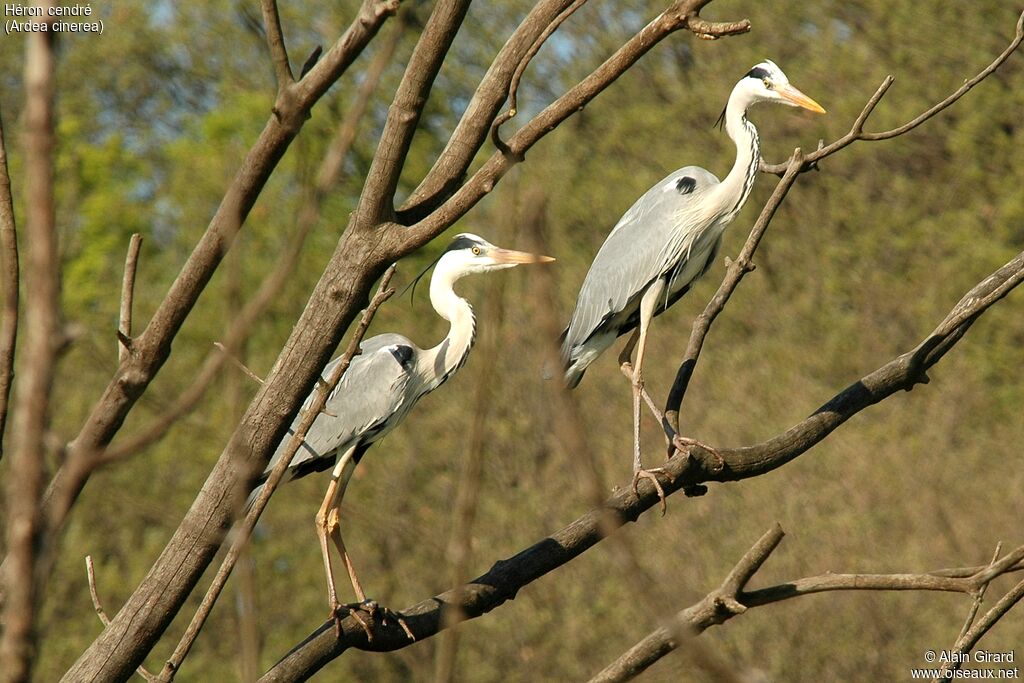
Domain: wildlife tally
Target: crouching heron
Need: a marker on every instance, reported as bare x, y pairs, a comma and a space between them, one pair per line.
665, 242
378, 390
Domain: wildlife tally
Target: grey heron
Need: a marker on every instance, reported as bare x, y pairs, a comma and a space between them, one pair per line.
381, 386
666, 241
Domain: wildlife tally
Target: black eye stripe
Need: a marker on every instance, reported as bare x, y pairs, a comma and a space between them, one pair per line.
758, 73
462, 243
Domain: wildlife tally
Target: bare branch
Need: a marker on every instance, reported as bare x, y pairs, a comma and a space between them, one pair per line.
730, 600
857, 131
506, 577
9, 282
238, 363
376, 203
243, 531
32, 399
682, 14
124, 327
90, 573
275, 42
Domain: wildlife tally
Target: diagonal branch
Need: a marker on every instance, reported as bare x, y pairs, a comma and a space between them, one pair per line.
9, 283
243, 530
377, 201
857, 131
730, 599
275, 43
507, 577
683, 14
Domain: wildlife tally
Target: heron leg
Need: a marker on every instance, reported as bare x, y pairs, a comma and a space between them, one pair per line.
648, 304
328, 525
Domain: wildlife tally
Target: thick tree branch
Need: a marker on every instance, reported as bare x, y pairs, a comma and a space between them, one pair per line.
243, 530
507, 577
730, 599
275, 43
857, 131
9, 283
682, 14
377, 201
42, 333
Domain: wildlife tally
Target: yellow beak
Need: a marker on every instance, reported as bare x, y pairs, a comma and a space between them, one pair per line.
793, 95
510, 256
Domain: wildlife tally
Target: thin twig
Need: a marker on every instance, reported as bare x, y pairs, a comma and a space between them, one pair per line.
238, 363
101, 613
243, 530
275, 42
124, 326
857, 131
978, 599
9, 282
32, 401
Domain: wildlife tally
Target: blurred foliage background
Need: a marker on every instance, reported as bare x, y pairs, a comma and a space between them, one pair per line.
861, 262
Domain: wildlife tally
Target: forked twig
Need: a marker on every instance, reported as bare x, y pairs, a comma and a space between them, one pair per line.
102, 613
124, 327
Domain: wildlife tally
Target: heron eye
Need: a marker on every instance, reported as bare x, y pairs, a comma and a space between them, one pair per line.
767, 83
476, 251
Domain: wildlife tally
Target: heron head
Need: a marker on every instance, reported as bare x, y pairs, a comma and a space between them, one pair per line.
767, 83
469, 253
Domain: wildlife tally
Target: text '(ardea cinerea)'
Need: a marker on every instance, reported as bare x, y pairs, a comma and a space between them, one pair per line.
382, 385
665, 242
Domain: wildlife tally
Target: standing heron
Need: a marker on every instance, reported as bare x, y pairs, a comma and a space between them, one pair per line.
666, 241
381, 386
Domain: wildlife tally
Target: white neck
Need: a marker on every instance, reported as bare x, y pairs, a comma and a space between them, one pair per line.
734, 190
438, 363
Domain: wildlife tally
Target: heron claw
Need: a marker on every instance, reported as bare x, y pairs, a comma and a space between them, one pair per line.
652, 475
683, 444
371, 608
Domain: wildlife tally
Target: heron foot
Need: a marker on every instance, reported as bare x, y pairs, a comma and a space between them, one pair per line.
683, 444
651, 474
366, 613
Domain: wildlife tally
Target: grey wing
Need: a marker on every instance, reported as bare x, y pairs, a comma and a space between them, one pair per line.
642, 247
371, 391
